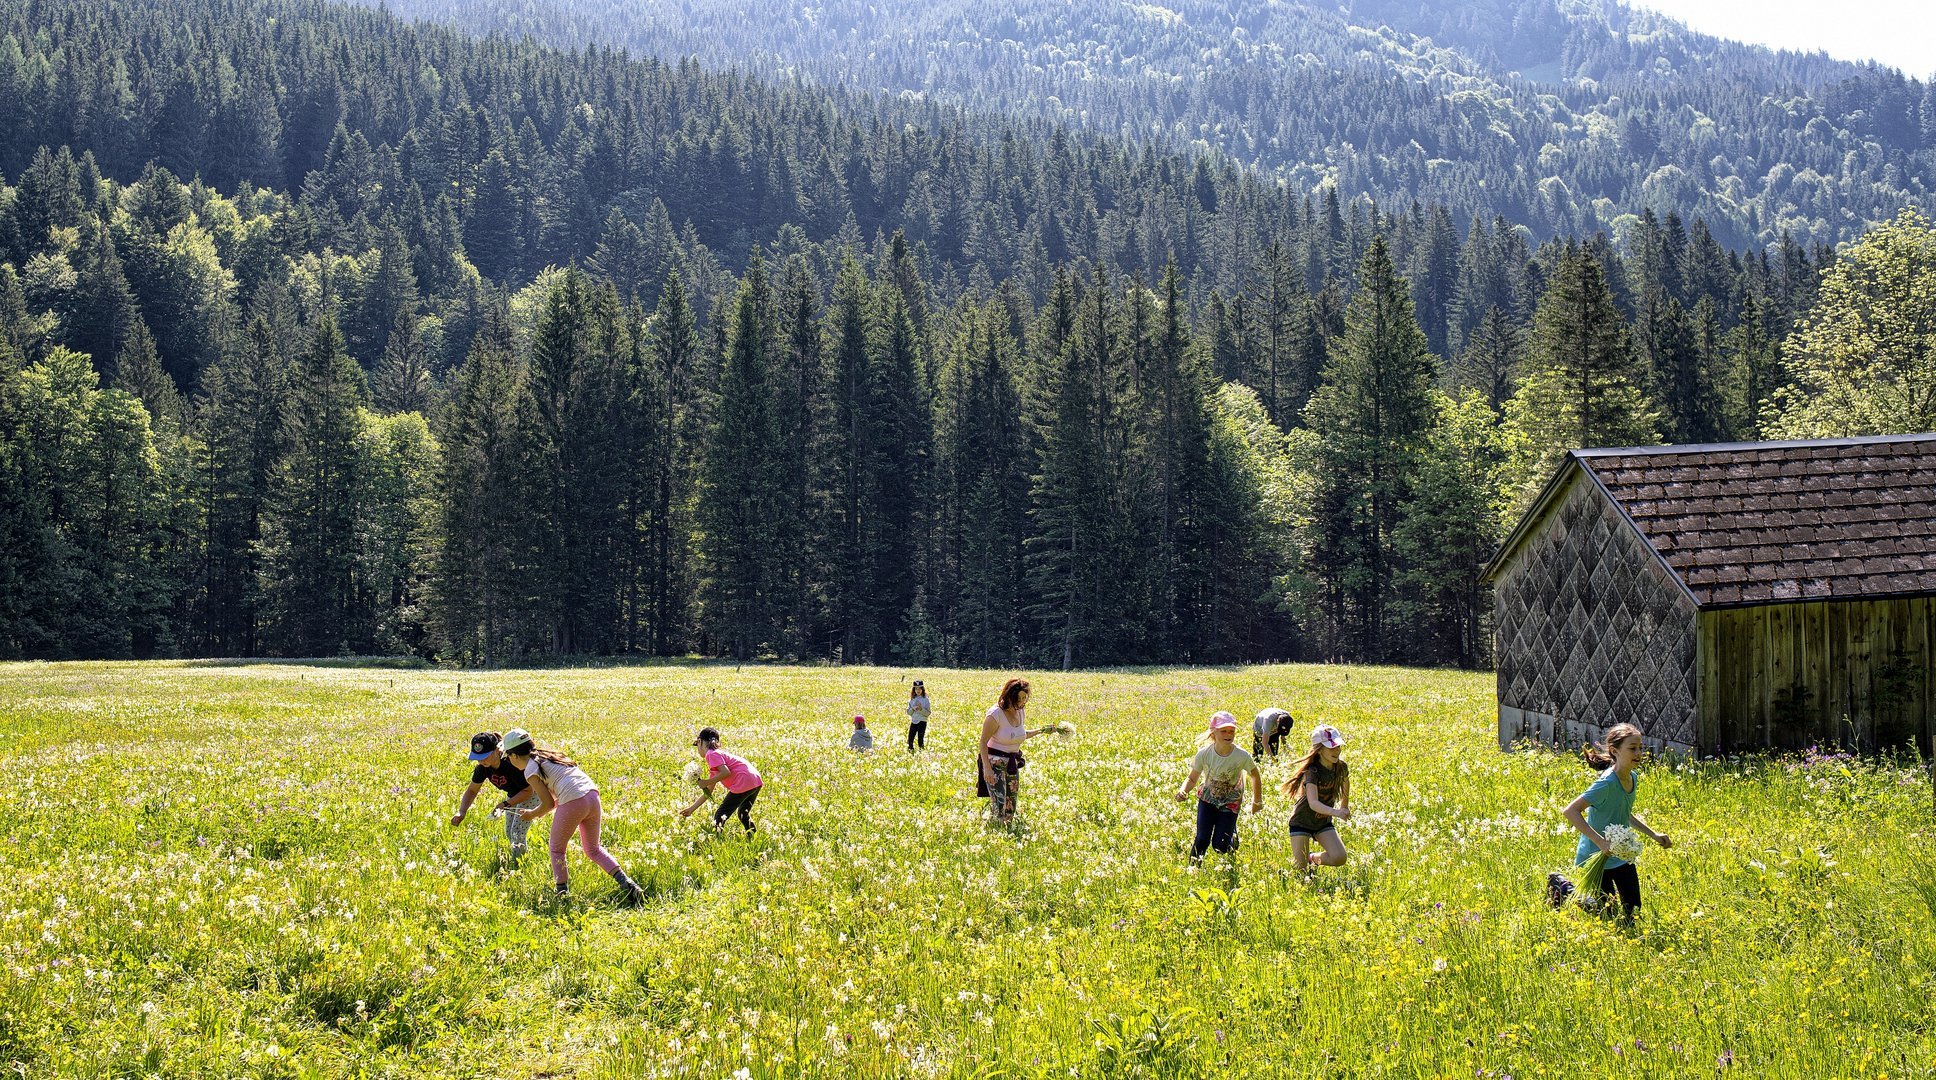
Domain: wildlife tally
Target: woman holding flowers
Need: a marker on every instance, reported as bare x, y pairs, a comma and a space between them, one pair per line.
1607, 806
1224, 768
1003, 731
1320, 784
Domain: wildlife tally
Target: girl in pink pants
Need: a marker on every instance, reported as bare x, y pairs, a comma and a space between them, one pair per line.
563, 786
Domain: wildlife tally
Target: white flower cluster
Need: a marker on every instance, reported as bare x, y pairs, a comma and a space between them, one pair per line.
1623, 843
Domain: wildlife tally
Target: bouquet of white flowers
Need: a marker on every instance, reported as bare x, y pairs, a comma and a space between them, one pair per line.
1623, 844
1063, 729
694, 774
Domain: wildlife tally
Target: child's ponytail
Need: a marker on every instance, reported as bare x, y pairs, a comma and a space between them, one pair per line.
1600, 755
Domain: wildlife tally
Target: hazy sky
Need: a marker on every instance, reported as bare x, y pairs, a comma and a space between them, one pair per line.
1901, 33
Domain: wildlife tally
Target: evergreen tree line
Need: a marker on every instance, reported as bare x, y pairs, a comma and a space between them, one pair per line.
1267, 427
834, 458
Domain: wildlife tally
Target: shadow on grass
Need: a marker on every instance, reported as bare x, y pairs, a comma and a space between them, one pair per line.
381, 663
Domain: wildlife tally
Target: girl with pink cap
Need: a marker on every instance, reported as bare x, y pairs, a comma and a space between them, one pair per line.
1223, 767
1321, 786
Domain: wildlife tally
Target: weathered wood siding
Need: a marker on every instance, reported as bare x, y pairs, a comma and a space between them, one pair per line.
1787, 676
1592, 630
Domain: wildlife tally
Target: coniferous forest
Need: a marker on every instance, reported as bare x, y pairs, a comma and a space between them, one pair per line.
322, 332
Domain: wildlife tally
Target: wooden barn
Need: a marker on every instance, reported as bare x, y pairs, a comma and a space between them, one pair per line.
1726, 597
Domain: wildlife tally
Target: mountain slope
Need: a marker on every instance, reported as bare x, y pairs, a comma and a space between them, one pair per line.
1564, 117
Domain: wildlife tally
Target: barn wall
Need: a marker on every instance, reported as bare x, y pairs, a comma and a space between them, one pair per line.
1786, 676
1592, 630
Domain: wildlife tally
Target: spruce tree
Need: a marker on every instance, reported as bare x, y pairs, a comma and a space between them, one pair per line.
245, 427
896, 526
402, 381
1371, 413
478, 593
311, 536
741, 482
1583, 386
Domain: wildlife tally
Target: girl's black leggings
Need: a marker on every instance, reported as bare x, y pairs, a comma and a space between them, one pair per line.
918, 733
738, 802
1624, 880
1216, 828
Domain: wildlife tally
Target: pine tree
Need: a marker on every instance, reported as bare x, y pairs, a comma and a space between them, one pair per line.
402, 381
1182, 426
677, 447
849, 450
992, 466
478, 591
569, 481
1490, 361
741, 482
246, 430
1447, 532
1372, 413
1583, 386
137, 371
898, 415
310, 538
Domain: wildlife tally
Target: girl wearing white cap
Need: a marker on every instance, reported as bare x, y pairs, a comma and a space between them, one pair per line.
563, 786
1223, 767
1321, 786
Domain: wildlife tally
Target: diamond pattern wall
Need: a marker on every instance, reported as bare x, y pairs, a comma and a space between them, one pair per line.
1591, 631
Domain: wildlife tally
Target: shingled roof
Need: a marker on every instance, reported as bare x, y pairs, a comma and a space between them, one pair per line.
1776, 522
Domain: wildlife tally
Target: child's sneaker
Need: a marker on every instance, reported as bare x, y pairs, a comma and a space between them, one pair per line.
1558, 888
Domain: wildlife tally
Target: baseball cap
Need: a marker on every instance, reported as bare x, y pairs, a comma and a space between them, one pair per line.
482, 744
515, 738
860, 721
1326, 735
1222, 719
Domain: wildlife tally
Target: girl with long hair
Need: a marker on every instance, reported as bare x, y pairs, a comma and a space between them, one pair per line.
1224, 768
564, 788
742, 781
919, 708
1320, 785
1607, 802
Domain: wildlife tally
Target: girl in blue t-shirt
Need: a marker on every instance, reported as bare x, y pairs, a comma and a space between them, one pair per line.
1607, 802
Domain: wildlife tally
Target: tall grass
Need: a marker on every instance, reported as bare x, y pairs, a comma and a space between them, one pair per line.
248, 871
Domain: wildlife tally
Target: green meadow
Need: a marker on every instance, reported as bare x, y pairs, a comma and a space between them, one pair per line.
248, 870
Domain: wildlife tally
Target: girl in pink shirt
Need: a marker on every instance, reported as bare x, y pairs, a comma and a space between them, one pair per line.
741, 779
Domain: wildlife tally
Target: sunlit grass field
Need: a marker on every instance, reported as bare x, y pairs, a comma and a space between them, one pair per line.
248, 871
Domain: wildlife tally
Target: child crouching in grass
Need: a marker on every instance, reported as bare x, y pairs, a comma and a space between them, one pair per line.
1321, 786
742, 782
563, 787
489, 766
1608, 802
1224, 767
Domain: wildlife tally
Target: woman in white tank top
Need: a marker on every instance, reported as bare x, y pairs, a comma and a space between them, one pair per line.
1003, 731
